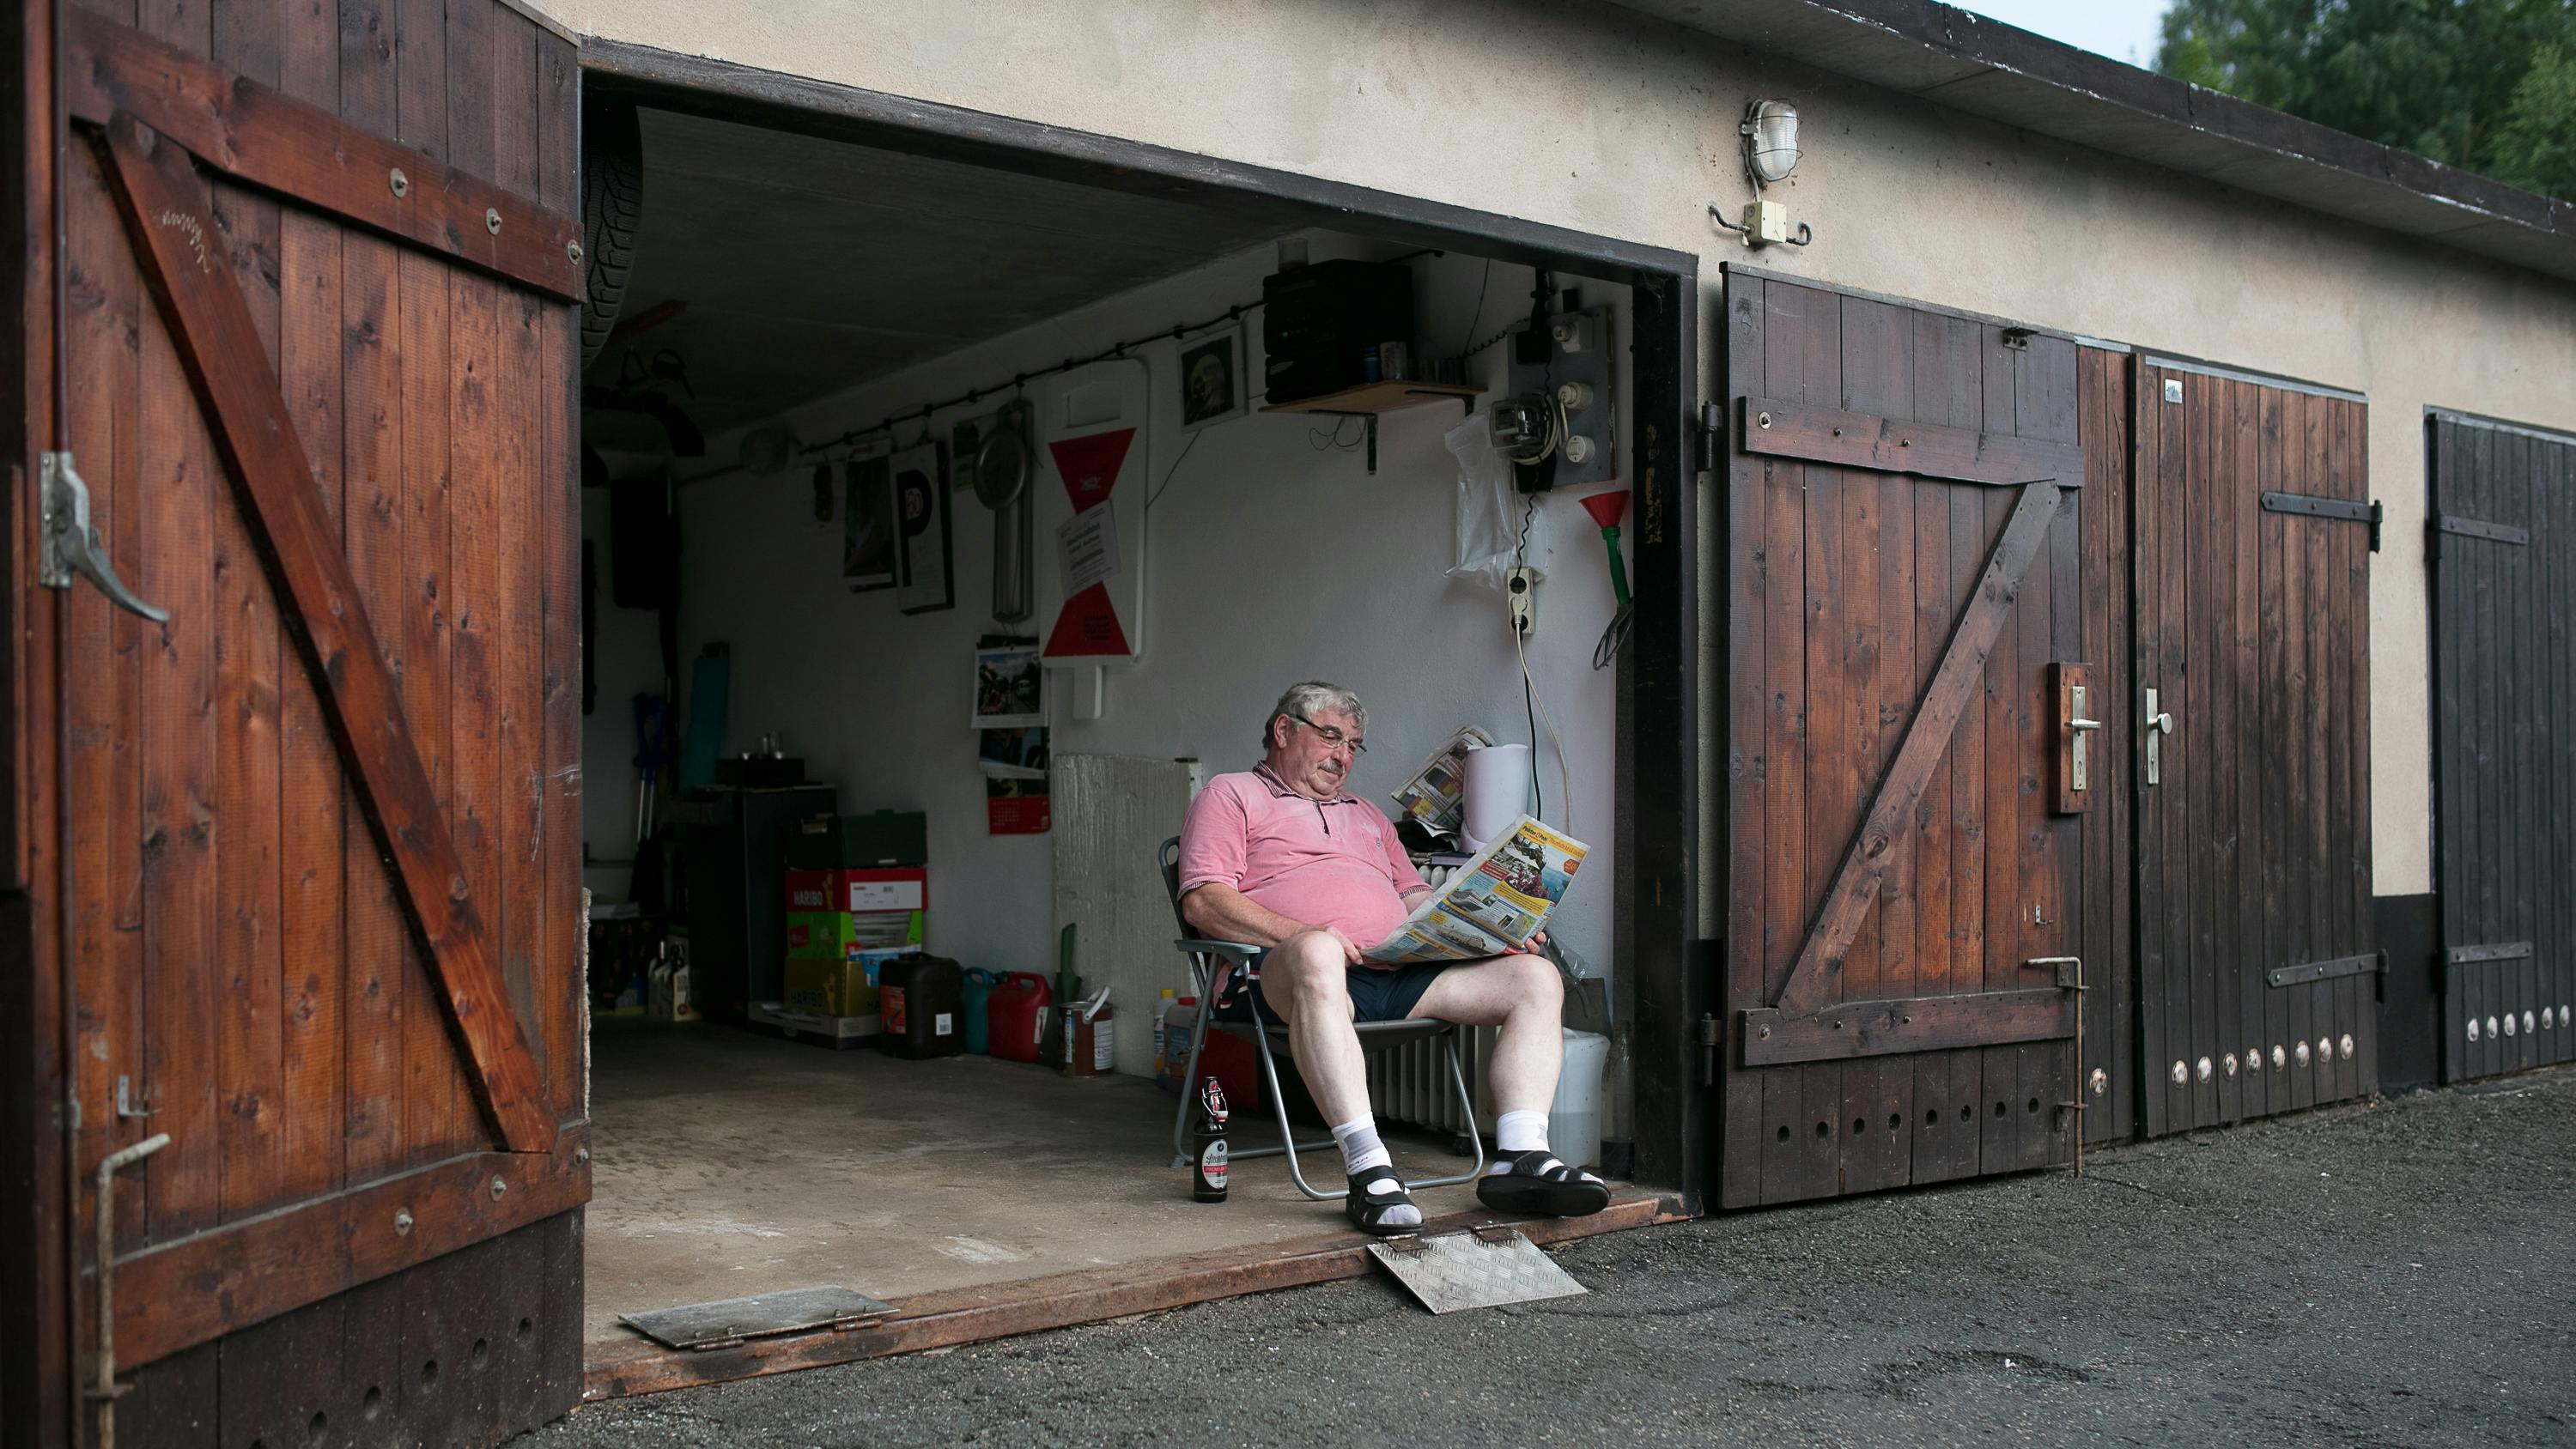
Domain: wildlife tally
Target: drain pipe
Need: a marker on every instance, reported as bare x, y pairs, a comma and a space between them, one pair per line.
105, 1392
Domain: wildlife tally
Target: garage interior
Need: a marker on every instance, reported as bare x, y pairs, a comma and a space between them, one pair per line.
745, 670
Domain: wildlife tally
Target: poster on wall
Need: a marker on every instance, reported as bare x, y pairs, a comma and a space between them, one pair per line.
1010, 688
869, 560
1016, 800
1212, 379
1091, 585
925, 563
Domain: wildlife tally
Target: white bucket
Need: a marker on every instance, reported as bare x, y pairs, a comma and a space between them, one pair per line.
1574, 1118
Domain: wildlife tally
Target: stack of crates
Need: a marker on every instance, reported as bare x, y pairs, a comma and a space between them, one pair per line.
857, 897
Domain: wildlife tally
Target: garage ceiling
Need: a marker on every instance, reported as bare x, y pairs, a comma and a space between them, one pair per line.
808, 265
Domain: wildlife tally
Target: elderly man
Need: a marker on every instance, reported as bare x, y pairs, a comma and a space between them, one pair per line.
1283, 856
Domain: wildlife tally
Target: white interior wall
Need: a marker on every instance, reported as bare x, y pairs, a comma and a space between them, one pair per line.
1272, 557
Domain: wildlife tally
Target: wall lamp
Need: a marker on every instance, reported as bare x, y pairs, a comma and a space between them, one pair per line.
1769, 133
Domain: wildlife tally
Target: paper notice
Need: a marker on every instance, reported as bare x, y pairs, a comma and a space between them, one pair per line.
1087, 547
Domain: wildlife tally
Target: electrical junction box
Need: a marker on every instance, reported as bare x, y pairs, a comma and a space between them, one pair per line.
1576, 378
1766, 221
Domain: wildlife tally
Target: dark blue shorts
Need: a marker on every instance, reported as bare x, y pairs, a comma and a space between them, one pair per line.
1376, 994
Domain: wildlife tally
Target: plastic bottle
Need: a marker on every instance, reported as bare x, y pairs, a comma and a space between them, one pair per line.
1207, 1144
1162, 1010
979, 996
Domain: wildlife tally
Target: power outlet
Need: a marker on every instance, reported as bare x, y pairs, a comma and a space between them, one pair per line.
1522, 585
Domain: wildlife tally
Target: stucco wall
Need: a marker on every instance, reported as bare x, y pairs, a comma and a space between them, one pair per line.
1608, 122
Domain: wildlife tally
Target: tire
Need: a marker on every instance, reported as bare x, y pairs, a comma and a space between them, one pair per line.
612, 210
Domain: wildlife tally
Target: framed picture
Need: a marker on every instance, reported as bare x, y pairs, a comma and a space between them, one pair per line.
869, 560
1010, 688
1212, 379
925, 577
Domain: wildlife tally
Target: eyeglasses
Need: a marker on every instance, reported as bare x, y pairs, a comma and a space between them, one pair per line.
1332, 736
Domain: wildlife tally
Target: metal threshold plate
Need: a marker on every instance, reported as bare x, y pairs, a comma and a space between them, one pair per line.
1482, 1269
731, 1320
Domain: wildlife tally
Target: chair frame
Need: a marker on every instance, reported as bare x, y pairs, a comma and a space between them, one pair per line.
1221, 967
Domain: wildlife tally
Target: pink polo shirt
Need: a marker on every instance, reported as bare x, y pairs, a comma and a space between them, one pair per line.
1324, 862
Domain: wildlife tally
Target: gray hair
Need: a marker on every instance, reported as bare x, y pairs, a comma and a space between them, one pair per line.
1303, 700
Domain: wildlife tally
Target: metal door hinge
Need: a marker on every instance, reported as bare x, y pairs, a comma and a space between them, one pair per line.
1712, 426
67, 545
126, 1110
1708, 1037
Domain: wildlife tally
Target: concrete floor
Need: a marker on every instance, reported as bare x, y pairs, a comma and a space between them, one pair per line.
726, 1163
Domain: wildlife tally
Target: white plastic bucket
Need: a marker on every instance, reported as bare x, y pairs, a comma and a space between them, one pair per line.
1574, 1118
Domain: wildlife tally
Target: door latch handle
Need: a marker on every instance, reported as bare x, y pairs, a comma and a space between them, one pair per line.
68, 545
2159, 724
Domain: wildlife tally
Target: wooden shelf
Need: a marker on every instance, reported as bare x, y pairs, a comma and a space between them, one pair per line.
1381, 397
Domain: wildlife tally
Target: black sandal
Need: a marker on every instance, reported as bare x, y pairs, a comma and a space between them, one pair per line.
1375, 1194
1537, 1183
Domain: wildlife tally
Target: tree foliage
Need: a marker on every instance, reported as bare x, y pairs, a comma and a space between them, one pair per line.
2486, 85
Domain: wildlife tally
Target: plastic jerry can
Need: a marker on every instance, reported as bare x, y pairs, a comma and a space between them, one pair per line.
919, 1001
1016, 1014
978, 1000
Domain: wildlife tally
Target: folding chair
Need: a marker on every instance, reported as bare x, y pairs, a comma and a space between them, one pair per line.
1223, 968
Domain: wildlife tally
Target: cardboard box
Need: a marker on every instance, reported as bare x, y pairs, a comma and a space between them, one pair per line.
842, 935
903, 888
833, 988
888, 837
810, 891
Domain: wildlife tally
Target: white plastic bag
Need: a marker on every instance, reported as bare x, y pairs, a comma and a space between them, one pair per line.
1489, 510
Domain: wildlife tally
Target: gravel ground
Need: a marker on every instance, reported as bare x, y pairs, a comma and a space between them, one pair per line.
2391, 1274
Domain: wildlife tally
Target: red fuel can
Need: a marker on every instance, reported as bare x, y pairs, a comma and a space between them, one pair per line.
1016, 1014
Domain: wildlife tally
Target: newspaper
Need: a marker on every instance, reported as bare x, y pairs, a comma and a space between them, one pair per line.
1431, 798
1494, 904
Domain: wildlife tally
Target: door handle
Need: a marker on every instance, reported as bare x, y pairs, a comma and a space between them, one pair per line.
69, 545
2158, 725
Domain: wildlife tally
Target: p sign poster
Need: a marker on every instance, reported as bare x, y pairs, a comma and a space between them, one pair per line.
1091, 514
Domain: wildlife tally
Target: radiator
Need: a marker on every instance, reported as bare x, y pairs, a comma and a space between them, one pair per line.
1411, 1083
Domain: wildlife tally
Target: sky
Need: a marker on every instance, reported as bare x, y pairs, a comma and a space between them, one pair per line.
2121, 29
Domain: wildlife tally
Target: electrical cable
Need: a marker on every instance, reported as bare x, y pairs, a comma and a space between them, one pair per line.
1175, 468
1530, 697
1478, 320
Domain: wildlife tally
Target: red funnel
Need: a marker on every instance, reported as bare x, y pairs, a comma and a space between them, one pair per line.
1607, 508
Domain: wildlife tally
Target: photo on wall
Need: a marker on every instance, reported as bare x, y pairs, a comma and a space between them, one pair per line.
925, 561
869, 558
1212, 379
1010, 688
1014, 763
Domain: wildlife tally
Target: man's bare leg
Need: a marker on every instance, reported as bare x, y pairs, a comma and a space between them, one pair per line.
1523, 996
1303, 978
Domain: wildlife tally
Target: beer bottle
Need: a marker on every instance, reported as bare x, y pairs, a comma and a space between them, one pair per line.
1207, 1144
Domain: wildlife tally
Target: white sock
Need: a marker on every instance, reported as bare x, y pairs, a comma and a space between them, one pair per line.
1360, 1148
1521, 1132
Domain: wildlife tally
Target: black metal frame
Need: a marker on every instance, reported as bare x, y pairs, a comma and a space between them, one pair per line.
1656, 927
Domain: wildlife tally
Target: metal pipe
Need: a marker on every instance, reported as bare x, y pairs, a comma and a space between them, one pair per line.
104, 1393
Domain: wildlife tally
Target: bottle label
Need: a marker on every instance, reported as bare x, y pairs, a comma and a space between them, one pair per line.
1212, 1163
943, 1025
890, 1007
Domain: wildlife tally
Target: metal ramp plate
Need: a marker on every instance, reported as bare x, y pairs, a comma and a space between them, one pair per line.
1485, 1268
729, 1321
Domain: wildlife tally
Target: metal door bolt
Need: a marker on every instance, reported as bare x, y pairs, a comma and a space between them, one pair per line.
402, 1222
492, 220
498, 1187
399, 182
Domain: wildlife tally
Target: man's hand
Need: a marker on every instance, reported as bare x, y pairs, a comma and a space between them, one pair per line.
1533, 943
1350, 952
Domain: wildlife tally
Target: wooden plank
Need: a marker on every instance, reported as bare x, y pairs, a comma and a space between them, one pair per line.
2150, 478
519, 618
2007, 920
252, 132
164, 202
179, 1294
558, 500
1944, 391
1877, 678
1800, 333
2043, 407
1902, 1025
2195, 753
249, 1043
2225, 765
1849, 438
2103, 383
2355, 1068
1751, 584
2243, 1043
628, 1366
1971, 644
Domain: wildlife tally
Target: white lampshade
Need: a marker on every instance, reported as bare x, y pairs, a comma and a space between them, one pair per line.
1770, 133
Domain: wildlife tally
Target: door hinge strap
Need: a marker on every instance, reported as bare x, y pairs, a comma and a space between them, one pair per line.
2492, 951
2343, 510
67, 544
2480, 528
2307, 971
1708, 1037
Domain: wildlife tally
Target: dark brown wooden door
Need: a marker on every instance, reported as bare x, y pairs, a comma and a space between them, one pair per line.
2257, 972
2504, 591
1905, 564
315, 850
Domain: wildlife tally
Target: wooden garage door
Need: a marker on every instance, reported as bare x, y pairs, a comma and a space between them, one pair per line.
2504, 591
2257, 969
1905, 581
317, 870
